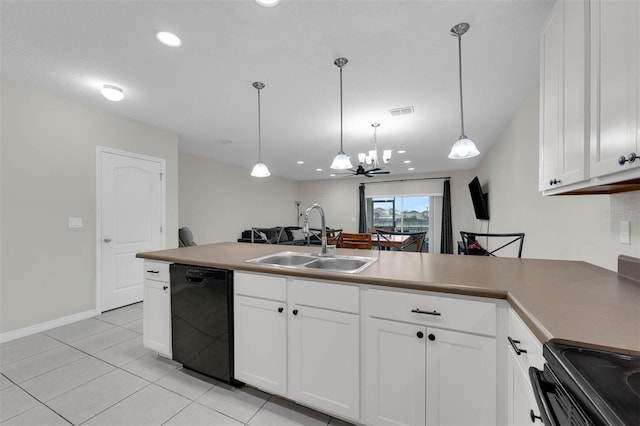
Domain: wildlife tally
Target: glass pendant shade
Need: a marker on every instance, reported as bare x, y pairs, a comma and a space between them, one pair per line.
341, 162
260, 170
463, 148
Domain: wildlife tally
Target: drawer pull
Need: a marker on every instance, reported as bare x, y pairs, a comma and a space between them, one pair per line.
515, 348
534, 417
420, 311
153, 272
165, 287
280, 309
420, 334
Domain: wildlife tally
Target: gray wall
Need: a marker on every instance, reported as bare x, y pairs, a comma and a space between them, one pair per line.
48, 146
218, 201
569, 227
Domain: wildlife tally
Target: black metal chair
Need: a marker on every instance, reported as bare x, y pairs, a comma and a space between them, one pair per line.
473, 248
391, 240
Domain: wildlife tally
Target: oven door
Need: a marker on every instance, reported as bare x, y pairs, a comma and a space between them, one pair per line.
557, 407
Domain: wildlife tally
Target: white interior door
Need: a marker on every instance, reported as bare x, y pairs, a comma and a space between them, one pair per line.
130, 220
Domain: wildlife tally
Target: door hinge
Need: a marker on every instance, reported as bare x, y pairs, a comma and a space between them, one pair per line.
161, 176
161, 229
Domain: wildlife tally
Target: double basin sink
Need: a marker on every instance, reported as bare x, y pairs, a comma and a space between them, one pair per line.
335, 263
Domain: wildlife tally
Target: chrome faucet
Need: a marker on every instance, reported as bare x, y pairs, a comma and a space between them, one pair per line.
305, 227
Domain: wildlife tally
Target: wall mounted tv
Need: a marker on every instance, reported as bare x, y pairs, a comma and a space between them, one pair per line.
479, 199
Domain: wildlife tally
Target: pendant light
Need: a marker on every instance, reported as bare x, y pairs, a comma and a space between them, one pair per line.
260, 169
464, 147
341, 161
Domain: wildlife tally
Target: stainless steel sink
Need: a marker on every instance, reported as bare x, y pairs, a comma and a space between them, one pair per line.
283, 259
336, 263
339, 264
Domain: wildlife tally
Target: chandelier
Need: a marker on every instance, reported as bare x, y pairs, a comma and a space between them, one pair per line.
373, 160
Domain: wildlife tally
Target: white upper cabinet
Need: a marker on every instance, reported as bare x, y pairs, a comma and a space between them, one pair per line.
563, 129
615, 86
589, 97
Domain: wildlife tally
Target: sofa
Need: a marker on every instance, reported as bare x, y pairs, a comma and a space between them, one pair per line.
287, 235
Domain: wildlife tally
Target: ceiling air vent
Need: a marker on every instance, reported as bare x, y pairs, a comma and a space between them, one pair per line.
401, 111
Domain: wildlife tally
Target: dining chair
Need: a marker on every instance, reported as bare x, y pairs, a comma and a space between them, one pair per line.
400, 241
472, 247
355, 241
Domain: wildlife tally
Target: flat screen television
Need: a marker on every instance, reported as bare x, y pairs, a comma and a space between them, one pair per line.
479, 199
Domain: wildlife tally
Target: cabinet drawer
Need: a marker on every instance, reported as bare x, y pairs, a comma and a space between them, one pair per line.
455, 314
157, 271
320, 294
524, 339
259, 285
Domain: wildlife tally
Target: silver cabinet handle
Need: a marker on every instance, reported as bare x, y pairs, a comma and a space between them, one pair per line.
107, 240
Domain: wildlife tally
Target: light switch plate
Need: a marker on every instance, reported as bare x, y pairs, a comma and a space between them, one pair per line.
75, 222
625, 232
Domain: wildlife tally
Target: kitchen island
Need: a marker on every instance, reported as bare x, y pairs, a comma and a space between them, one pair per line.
566, 301
407, 339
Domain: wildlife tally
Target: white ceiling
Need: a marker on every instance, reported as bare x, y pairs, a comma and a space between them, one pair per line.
400, 54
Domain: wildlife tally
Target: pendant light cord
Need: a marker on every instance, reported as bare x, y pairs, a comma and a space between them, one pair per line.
341, 110
460, 73
259, 132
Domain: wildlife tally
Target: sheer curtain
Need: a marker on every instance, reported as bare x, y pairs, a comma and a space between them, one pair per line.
446, 242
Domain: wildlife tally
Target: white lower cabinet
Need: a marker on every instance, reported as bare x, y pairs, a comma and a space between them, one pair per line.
324, 359
156, 309
260, 343
287, 346
395, 378
461, 378
417, 374
521, 401
523, 351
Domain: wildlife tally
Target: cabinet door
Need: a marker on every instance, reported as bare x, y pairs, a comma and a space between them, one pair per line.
615, 80
563, 106
395, 380
156, 322
521, 400
260, 343
324, 360
461, 378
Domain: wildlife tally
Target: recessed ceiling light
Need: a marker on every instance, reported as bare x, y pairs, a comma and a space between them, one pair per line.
318, 170
332, 175
168, 39
267, 3
411, 168
300, 162
224, 141
402, 151
407, 161
113, 93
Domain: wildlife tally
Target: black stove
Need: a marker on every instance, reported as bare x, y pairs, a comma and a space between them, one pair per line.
581, 386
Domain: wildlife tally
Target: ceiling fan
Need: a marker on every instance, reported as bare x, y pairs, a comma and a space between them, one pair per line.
361, 171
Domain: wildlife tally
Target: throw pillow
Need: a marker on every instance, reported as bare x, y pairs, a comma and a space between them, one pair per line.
298, 234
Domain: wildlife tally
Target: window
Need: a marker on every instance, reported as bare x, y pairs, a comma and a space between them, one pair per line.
399, 213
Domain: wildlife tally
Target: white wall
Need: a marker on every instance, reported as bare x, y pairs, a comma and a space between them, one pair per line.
47, 174
218, 201
570, 227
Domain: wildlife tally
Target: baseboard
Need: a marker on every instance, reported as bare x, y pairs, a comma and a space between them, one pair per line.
37, 328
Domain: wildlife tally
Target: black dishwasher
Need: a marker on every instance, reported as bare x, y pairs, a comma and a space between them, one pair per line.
202, 320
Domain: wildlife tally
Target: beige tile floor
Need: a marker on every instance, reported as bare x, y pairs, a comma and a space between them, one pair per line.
96, 372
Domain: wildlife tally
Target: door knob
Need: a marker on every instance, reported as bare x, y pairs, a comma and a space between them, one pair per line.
107, 240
